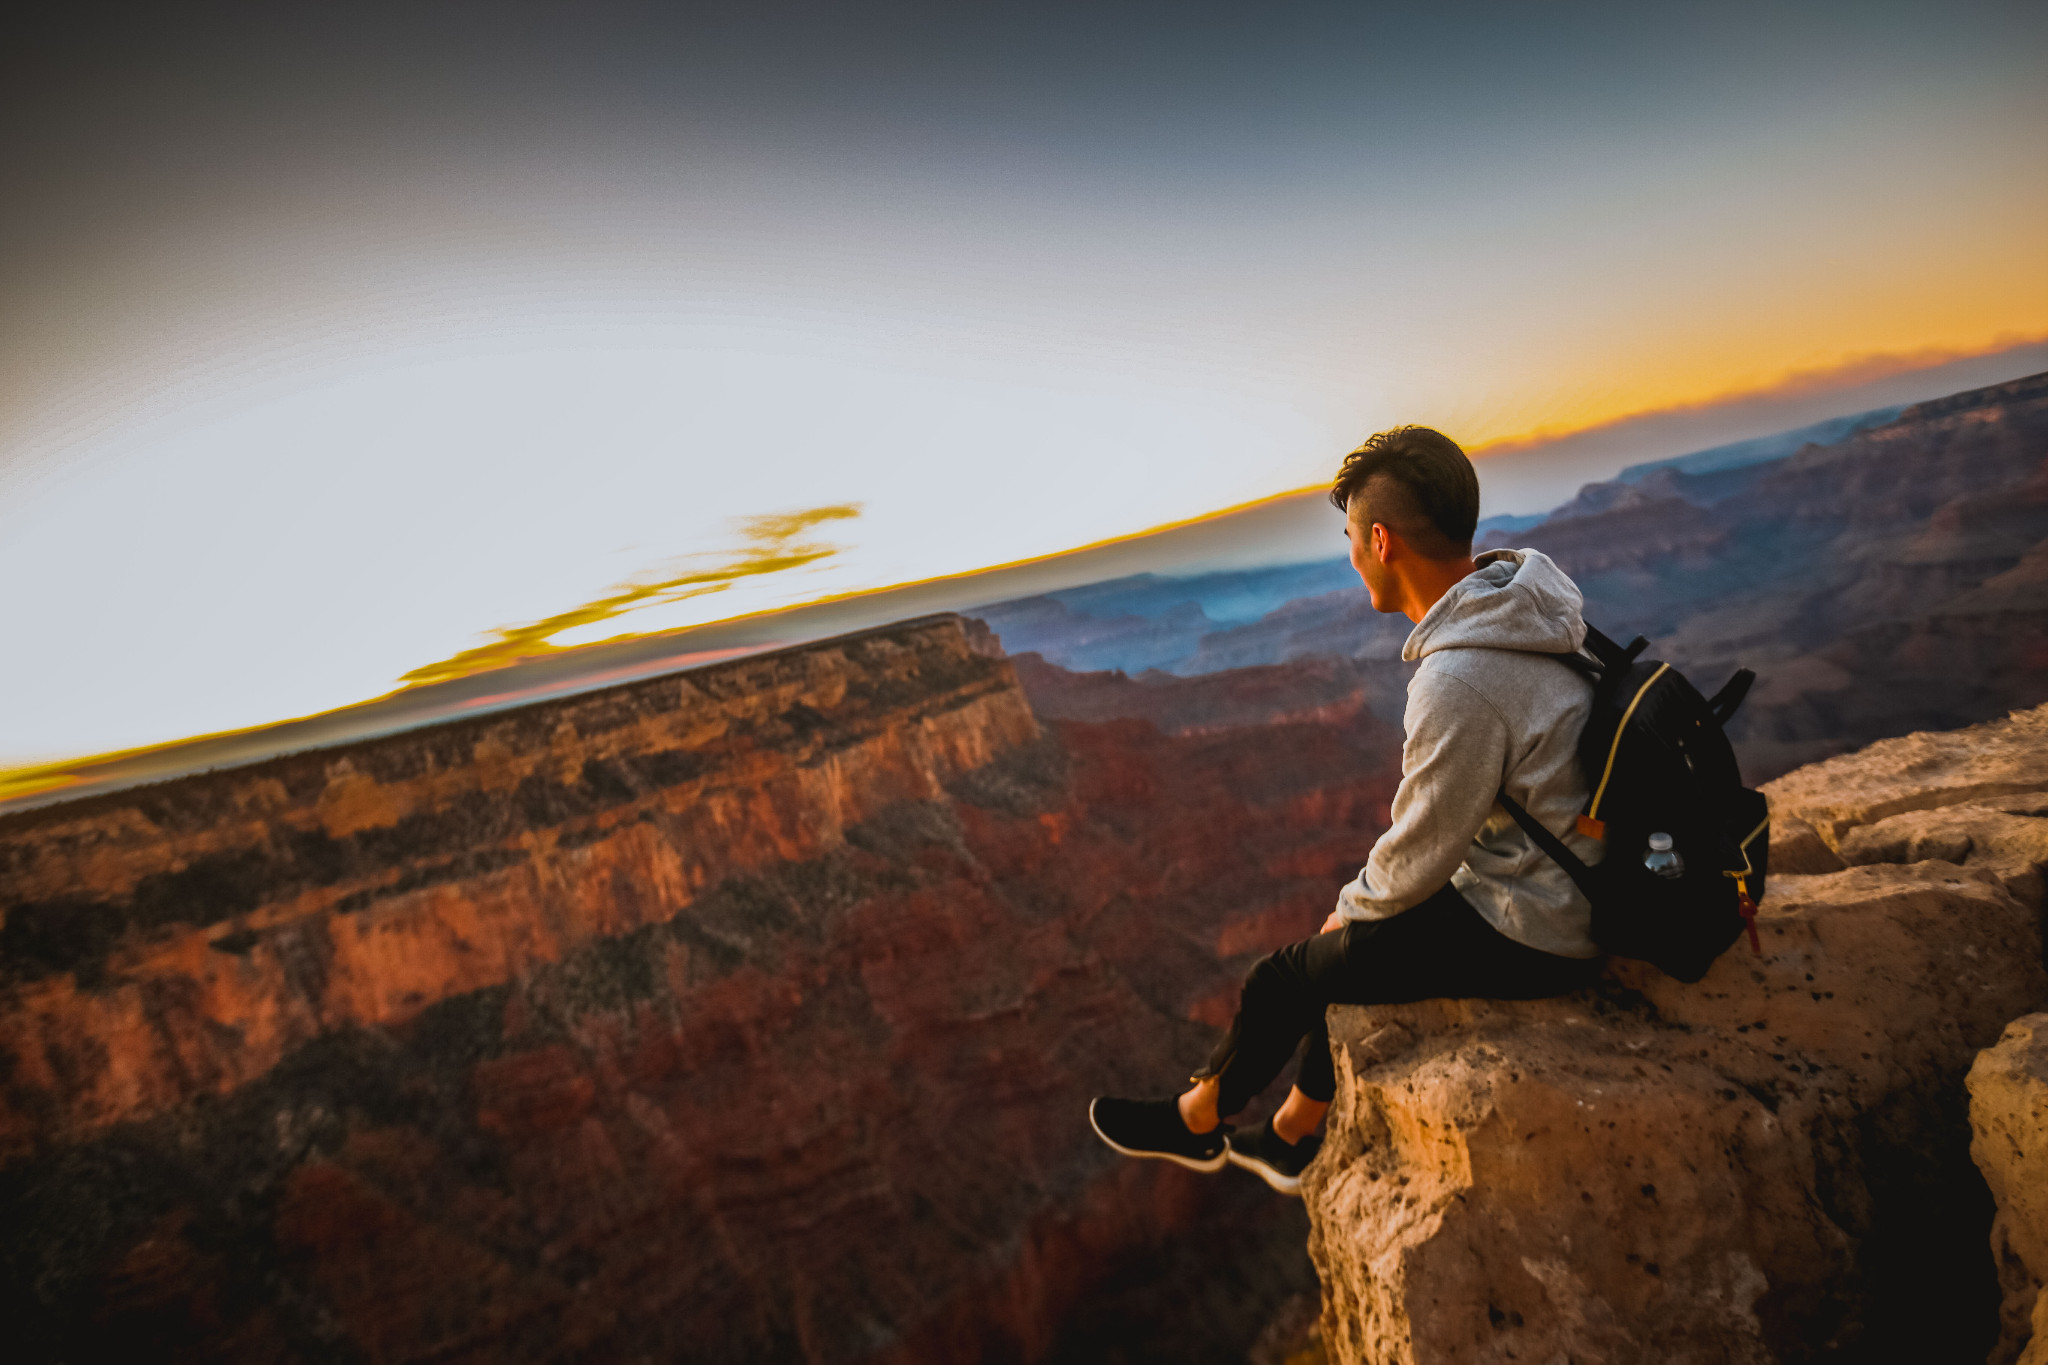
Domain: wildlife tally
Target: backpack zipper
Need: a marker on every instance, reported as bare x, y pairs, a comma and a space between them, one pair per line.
1593, 810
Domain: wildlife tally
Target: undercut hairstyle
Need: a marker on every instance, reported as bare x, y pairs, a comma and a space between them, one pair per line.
1418, 482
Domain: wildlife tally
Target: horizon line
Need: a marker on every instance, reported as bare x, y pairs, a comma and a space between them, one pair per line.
23, 780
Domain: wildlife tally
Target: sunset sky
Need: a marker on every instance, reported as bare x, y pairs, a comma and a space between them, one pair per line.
332, 341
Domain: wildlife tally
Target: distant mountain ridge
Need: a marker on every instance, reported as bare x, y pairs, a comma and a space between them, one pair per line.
1890, 578
1764, 449
1097, 625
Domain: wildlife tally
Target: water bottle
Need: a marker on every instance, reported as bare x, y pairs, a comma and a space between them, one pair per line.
1662, 859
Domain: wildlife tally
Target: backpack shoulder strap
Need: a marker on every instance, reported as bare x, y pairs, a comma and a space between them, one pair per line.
1579, 664
1724, 702
1581, 875
1613, 658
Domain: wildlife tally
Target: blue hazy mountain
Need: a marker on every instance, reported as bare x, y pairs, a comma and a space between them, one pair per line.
1762, 450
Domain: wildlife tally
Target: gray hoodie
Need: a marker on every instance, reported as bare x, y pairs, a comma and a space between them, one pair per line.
1484, 709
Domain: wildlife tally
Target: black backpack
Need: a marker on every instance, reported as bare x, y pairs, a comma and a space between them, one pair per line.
1657, 761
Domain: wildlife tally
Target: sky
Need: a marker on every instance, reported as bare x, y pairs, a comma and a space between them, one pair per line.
337, 341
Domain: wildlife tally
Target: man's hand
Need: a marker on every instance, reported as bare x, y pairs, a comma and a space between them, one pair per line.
1335, 921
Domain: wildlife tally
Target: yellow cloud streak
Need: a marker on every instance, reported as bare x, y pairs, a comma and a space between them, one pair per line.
770, 551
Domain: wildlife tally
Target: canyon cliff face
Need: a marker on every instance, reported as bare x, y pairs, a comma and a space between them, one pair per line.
1771, 1165
748, 1013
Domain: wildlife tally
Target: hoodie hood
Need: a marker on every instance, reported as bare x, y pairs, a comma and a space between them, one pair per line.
1515, 599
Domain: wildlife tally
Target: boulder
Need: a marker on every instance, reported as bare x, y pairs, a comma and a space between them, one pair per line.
2009, 1120
1772, 1164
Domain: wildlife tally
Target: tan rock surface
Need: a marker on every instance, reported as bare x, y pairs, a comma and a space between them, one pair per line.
1797, 848
2009, 1119
1770, 1165
1922, 771
2007, 837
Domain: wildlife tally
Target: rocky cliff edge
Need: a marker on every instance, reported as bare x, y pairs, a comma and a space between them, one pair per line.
1773, 1164
2009, 1122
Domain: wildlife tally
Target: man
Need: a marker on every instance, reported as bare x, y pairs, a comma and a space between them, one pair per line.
1454, 899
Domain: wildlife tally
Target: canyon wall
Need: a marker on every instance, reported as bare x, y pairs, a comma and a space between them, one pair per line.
748, 1013
1770, 1165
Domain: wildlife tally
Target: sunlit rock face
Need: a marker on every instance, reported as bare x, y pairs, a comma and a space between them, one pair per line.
2009, 1117
743, 1014
1771, 1165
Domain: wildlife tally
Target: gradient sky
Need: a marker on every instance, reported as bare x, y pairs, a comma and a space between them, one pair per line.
331, 341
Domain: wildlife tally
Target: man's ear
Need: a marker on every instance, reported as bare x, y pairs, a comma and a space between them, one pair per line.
1383, 542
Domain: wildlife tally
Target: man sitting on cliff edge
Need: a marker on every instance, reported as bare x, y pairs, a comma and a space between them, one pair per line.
1454, 900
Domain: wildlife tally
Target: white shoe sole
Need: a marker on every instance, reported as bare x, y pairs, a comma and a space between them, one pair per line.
1215, 1163
1282, 1184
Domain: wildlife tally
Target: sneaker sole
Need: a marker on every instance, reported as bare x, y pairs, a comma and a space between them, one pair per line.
1215, 1163
1282, 1184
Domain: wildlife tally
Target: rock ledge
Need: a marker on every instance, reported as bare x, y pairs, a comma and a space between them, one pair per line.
1770, 1165
2009, 1116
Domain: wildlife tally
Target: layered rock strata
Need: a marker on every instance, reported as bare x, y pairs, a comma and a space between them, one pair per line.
2009, 1117
743, 1014
1772, 1164
177, 941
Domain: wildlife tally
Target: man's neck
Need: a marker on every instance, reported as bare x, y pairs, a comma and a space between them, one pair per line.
1427, 580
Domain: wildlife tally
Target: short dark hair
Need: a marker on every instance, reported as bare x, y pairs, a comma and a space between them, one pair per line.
1425, 488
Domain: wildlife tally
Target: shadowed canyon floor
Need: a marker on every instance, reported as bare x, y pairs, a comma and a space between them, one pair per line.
743, 1014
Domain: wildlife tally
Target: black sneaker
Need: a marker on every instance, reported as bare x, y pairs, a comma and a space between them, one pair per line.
1272, 1158
1153, 1128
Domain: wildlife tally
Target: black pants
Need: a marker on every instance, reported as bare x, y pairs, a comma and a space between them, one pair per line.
1439, 949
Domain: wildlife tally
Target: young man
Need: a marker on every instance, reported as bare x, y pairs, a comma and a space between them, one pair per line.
1454, 899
